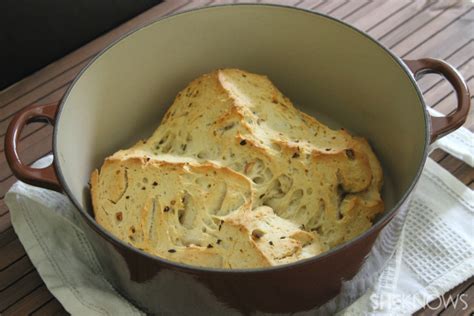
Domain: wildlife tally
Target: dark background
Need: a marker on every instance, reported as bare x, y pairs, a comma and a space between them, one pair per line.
34, 33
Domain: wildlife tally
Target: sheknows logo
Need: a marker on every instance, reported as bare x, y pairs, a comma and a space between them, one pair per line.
393, 301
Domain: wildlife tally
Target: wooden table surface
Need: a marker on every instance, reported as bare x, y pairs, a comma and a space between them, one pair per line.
410, 28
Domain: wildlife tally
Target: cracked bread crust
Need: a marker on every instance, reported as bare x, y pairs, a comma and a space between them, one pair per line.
285, 186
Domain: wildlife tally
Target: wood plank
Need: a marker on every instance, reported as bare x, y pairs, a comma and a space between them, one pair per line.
392, 24
53, 307
376, 13
5, 185
14, 272
281, 2
30, 303
362, 10
334, 5
464, 173
416, 29
451, 163
3, 208
56, 72
330, 6
438, 154
7, 236
192, 5
425, 32
349, 8
308, 4
11, 252
451, 33
19, 289
9, 109
166, 8
5, 224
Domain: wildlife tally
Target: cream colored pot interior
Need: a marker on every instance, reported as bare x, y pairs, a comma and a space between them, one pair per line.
328, 69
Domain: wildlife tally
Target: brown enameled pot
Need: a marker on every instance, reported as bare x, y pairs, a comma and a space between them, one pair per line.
327, 67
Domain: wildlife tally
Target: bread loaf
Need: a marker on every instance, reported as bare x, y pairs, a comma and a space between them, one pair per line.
236, 177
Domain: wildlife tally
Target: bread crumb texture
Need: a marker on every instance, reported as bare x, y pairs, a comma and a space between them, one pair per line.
236, 177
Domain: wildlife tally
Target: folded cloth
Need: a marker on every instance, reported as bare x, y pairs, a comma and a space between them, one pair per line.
434, 254
460, 144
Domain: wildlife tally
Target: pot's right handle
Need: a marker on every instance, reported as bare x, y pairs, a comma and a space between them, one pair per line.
440, 126
44, 177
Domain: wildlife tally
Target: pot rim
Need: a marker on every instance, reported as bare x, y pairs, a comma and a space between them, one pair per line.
297, 264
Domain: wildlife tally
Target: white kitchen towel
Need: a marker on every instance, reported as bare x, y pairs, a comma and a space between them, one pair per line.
435, 252
460, 144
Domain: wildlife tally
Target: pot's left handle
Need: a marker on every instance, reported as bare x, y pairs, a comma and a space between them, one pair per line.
441, 126
44, 177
